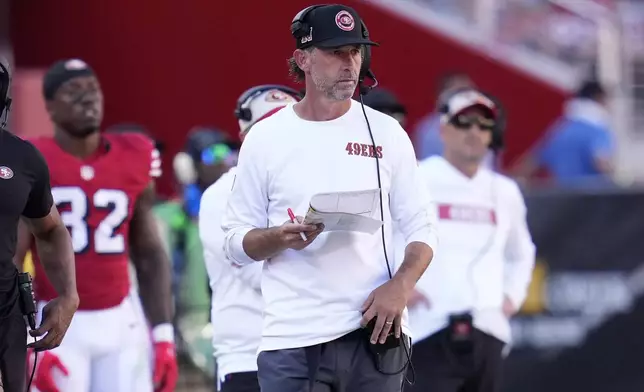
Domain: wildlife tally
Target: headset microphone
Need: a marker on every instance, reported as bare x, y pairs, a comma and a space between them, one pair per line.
363, 89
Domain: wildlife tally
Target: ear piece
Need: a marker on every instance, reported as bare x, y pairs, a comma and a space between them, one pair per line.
243, 114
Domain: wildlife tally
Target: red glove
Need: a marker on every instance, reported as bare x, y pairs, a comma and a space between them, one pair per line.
45, 367
166, 370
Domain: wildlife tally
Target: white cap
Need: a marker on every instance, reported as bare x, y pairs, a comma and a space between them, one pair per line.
462, 100
264, 104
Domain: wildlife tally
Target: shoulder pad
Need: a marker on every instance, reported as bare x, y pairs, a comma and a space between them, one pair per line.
139, 144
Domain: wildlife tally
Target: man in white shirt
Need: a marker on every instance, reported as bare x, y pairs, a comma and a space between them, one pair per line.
237, 305
320, 290
481, 275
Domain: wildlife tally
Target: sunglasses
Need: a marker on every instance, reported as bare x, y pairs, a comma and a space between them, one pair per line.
217, 153
466, 122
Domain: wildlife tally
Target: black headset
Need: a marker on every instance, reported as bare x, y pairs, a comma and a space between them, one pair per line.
244, 113
498, 132
5, 100
300, 28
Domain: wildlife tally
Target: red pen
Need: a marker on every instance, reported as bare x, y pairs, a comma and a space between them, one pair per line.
293, 220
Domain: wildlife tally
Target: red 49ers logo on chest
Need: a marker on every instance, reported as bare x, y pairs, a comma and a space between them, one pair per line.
364, 150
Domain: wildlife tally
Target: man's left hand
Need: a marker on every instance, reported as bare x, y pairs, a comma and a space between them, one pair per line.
508, 307
386, 304
166, 371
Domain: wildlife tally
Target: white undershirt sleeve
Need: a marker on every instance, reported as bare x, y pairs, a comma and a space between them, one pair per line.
410, 202
250, 274
520, 253
248, 203
212, 209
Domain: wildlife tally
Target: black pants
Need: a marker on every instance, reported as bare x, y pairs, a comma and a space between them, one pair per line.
13, 351
439, 367
240, 382
344, 365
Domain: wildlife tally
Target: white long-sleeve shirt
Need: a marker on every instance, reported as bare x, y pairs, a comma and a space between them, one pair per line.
314, 295
237, 303
486, 250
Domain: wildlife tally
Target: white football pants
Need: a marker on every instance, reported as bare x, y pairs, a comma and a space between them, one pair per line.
106, 350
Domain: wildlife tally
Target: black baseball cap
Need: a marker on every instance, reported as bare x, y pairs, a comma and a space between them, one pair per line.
384, 100
330, 26
62, 71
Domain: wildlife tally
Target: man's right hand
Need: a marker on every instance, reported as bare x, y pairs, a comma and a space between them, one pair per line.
56, 317
290, 233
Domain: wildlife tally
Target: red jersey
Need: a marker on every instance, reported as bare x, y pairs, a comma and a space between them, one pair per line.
96, 199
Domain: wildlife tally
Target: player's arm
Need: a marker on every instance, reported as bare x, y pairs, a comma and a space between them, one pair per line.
151, 261
153, 270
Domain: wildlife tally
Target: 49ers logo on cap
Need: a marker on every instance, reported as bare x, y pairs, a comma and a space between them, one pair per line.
75, 65
345, 21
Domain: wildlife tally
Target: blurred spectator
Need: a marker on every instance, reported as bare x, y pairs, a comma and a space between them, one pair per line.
465, 10
549, 29
460, 310
580, 144
426, 134
207, 155
386, 102
542, 26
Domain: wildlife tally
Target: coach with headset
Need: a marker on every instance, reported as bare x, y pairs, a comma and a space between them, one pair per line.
237, 304
461, 309
334, 313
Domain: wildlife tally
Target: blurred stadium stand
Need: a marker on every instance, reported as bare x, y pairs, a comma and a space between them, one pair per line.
559, 42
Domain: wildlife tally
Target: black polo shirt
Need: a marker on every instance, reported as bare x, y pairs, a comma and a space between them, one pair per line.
24, 190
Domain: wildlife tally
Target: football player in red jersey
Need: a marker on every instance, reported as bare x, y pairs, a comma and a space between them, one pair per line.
103, 185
